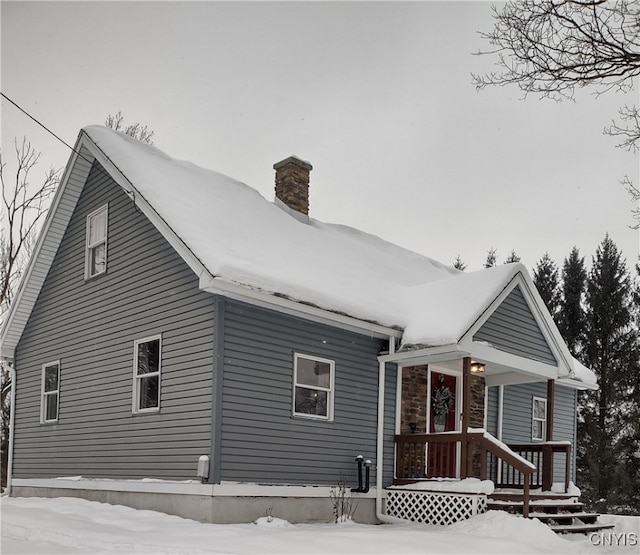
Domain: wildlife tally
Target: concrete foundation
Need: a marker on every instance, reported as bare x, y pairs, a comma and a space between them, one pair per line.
215, 509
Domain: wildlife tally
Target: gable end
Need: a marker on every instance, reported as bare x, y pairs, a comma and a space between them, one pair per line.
513, 328
53, 229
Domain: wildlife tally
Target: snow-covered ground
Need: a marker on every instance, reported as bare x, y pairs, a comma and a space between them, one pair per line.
69, 525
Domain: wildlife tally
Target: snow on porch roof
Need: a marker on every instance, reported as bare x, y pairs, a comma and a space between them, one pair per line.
242, 238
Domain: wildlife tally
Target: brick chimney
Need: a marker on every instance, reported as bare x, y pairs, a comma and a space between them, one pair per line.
292, 183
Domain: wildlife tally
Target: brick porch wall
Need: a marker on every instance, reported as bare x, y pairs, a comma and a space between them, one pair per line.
476, 418
414, 399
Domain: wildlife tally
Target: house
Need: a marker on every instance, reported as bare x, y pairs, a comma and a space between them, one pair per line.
180, 343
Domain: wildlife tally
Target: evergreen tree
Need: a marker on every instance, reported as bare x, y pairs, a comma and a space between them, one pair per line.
633, 462
607, 429
458, 264
571, 313
513, 257
545, 277
491, 258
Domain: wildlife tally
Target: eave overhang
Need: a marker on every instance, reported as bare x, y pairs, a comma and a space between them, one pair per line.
577, 384
264, 299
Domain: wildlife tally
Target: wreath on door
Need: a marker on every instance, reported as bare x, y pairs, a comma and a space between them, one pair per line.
441, 402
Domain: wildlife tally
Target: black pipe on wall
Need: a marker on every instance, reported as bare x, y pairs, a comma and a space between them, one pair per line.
359, 460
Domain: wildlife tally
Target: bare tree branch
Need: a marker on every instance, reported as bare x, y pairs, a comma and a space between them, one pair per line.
136, 130
114, 121
23, 207
553, 47
628, 130
634, 192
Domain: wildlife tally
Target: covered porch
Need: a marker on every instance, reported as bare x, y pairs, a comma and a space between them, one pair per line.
489, 341
443, 427
442, 413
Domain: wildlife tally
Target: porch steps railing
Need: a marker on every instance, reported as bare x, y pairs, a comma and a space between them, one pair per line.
419, 454
542, 455
520, 467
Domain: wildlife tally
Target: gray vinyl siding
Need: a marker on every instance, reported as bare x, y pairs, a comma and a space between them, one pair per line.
512, 328
492, 411
517, 417
90, 326
261, 440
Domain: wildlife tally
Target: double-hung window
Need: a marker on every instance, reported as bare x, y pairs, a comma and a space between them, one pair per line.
147, 354
96, 251
539, 419
313, 387
50, 400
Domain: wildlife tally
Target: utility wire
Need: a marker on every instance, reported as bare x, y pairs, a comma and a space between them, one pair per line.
44, 127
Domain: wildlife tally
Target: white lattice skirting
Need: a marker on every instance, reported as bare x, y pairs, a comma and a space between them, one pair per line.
434, 508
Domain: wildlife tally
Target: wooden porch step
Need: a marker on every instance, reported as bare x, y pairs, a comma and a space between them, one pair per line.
541, 506
561, 512
533, 496
565, 518
579, 528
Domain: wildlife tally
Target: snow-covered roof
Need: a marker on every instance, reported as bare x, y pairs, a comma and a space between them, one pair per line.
243, 238
229, 234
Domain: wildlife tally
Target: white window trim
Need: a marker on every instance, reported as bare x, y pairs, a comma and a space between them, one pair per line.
90, 246
330, 391
534, 419
44, 394
135, 401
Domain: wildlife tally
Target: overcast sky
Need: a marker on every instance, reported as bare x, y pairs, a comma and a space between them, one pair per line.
377, 96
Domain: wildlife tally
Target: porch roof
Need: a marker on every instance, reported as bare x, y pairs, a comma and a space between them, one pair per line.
500, 368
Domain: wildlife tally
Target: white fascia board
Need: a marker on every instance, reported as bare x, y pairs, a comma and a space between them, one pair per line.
262, 299
158, 221
510, 378
44, 251
189, 487
426, 355
541, 315
486, 353
577, 384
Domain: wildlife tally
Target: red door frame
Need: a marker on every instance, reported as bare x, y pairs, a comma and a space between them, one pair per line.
443, 458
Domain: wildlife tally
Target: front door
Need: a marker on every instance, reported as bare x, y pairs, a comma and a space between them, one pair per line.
443, 417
